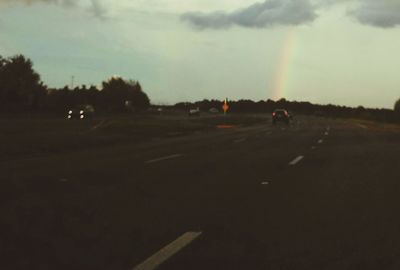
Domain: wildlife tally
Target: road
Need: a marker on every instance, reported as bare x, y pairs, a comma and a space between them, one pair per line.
319, 194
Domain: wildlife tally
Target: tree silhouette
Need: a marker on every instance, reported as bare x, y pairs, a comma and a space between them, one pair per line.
20, 85
117, 93
397, 109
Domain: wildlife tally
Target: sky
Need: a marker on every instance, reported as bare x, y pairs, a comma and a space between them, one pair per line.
341, 52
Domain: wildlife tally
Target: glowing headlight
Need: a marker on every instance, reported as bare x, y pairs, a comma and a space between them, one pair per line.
81, 112
82, 116
69, 116
70, 112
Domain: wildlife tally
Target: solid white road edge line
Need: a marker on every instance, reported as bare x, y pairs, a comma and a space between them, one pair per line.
168, 251
296, 160
164, 158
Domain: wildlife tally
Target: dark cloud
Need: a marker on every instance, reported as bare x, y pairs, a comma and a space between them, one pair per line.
380, 13
95, 6
259, 15
30, 2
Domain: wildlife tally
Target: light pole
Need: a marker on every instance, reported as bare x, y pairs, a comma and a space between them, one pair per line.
72, 82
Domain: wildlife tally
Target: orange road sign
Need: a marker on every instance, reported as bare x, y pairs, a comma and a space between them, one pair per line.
225, 107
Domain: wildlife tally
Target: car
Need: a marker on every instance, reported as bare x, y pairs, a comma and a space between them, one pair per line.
214, 110
280, 115
81, 112
194, 112
160, 111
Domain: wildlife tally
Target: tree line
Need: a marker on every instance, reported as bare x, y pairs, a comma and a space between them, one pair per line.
116, 95
307, 108
21, 90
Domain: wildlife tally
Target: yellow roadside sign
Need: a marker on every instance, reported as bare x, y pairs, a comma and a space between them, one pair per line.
225, 107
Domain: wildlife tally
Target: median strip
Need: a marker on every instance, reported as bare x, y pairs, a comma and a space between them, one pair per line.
164, 158
296, 160
168, 251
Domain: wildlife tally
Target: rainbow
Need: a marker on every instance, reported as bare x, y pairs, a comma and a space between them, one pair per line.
281, 79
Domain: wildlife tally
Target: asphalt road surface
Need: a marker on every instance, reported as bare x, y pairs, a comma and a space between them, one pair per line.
319, 194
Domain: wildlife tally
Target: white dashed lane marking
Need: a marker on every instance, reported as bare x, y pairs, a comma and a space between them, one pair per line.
164, 158
239, 140
296, 160
168, 251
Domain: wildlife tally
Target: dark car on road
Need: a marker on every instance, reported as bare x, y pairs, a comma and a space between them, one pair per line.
280, 115
81, 112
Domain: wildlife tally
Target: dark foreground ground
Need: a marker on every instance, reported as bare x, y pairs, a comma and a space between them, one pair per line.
111, 205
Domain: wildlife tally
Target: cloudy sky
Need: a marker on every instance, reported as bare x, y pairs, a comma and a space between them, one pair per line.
325, 51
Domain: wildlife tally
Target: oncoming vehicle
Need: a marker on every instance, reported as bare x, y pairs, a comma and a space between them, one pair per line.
280, 115
194, 112
81, 112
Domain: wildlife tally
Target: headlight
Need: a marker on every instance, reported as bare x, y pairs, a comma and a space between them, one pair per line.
81, 112
82, 116
70, 112
69, 116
